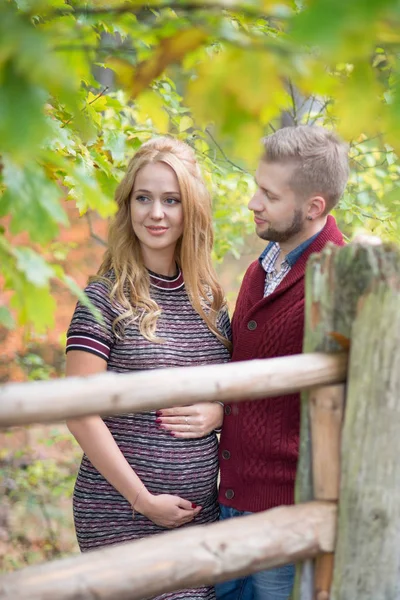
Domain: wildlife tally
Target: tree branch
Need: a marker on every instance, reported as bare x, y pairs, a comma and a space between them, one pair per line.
223, 153
94, 235
294, 114
87, 104
321, 112
189, 6
310, 109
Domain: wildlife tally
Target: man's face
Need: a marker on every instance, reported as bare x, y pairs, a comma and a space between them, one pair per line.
278, 214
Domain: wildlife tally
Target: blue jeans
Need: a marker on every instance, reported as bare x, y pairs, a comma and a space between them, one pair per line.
274, 584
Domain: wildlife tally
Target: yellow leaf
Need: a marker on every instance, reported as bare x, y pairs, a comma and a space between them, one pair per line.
246, 80
358, 107
248, 137
185, 123
150, 106
123, 70
170, 50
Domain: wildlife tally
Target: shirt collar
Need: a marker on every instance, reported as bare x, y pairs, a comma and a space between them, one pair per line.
293, 255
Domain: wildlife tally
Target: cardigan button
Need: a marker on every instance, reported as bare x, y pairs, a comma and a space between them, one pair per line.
229, 494
226, 454
227, 409
252, 325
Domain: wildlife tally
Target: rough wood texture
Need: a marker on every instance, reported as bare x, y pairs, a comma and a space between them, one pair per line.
326, 405
112, 393
181, 559
367, 562
335, 280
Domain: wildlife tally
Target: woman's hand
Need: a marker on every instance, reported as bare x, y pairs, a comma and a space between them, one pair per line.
167, 510
194, 421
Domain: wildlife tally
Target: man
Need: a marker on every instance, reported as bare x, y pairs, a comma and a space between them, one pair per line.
300, 178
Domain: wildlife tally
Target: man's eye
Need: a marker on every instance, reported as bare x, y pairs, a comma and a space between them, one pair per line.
268, 195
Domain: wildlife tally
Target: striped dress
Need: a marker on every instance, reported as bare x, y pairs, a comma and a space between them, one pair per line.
166, 465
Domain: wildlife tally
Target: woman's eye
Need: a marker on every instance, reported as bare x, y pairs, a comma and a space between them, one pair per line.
171, 200
142, 199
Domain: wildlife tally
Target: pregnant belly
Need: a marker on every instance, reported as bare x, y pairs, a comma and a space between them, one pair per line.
168, 465
184, 467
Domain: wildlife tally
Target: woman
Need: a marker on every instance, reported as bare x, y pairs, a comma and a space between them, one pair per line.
161, 306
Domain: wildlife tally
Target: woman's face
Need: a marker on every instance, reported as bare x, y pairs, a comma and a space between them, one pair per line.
156, 211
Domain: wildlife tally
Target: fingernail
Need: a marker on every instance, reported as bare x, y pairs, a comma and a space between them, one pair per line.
171, 433
194, 505
158, 420
158, 413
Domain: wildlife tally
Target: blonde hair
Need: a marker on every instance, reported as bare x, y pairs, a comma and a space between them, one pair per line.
319, 157
131, 289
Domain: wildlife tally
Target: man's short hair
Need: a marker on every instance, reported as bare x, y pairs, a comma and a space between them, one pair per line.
319, 157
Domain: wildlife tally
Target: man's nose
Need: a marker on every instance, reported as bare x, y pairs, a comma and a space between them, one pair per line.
256, 203
157, 211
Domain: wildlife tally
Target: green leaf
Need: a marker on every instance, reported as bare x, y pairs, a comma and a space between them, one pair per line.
82, 297
21, 115
85, 189
114, 141
6, 318
34, 305
34, 266
33, 201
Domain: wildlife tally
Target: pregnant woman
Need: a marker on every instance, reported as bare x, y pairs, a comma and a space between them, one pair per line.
160, 306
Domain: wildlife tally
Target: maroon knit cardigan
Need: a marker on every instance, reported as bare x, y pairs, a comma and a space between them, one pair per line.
260, 439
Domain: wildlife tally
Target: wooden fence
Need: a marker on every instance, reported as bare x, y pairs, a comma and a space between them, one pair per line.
350, 443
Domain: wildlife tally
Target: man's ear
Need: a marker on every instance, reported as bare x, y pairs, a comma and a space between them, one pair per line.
316, 207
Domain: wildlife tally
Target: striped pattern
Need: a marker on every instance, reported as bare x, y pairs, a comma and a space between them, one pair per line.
88, 344
165, 464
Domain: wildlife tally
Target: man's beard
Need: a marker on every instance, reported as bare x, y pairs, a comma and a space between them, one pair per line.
273, 235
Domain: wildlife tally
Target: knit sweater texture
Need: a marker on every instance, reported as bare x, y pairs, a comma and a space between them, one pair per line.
260, 438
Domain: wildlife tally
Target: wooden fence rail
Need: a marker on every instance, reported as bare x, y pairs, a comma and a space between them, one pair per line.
190, 557
115, 393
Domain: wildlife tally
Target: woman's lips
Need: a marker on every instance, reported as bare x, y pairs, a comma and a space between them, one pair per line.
153, 230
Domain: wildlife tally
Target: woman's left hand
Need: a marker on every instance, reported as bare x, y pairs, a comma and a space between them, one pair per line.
194, 421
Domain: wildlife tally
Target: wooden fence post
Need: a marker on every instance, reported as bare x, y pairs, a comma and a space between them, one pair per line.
367, 559
336, 279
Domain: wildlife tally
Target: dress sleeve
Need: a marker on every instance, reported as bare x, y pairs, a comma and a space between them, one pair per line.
86, 332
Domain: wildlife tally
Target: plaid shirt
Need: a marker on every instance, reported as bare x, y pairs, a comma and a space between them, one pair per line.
268, 260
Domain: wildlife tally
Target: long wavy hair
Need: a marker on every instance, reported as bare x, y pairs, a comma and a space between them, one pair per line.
131, 286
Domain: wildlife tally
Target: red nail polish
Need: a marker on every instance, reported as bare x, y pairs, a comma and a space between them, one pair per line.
194, 505
158, 421
158, 413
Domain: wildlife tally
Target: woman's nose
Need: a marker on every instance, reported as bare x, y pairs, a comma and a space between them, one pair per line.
157, 211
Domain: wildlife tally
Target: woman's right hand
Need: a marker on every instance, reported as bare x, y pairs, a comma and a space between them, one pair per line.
167, 510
